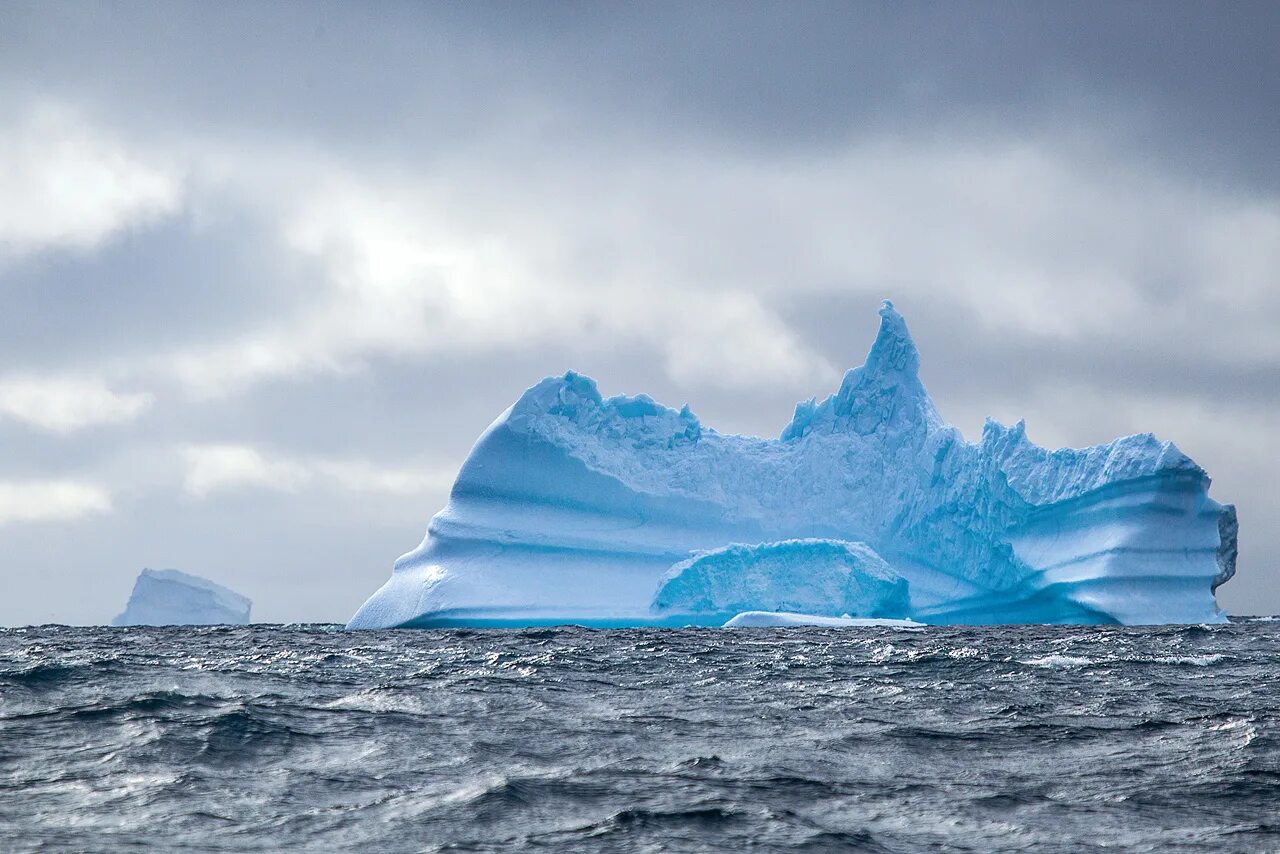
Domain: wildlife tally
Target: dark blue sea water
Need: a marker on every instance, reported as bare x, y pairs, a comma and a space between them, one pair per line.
308, 738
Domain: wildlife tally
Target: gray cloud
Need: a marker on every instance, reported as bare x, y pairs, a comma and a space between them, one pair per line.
335, 243
1187, 82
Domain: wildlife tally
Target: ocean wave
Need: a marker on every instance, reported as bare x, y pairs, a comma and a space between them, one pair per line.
968, 739
1056, 660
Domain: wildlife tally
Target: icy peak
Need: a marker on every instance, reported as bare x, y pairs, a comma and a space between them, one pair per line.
884, 395
893, 356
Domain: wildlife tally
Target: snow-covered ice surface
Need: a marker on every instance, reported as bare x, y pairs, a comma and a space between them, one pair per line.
167, 597
573, 508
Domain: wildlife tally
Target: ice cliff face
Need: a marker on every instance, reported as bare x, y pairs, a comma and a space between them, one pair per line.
573, 507
167, 597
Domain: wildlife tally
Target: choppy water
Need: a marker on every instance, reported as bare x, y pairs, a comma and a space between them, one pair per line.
311, 738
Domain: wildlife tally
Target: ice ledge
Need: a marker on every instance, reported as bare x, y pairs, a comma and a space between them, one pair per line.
816, 576
785, 619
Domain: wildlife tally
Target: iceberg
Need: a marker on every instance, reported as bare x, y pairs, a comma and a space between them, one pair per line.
167, 597
577, 508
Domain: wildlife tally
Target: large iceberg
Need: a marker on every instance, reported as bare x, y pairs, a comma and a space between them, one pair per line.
167, 597
574, 508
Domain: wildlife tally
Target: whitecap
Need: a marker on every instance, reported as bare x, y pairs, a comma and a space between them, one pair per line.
1059, 661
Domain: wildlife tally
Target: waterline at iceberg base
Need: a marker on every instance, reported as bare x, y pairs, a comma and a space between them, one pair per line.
574, 508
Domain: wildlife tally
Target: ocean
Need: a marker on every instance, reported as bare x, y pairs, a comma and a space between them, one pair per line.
311, 738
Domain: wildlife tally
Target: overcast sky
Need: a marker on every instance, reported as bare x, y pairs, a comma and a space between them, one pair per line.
269, 269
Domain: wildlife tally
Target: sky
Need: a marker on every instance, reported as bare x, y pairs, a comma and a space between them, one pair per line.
268, 269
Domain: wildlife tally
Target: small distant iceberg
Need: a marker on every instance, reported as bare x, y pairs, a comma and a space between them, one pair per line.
783, 619
167, 597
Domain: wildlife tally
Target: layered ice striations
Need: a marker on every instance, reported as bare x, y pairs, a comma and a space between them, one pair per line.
575, 508
167, 597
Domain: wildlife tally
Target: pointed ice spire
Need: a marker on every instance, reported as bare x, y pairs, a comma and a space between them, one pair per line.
893, 352
886, 390
893, 361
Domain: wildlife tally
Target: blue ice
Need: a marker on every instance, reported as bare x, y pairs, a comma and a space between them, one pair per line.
577, 508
